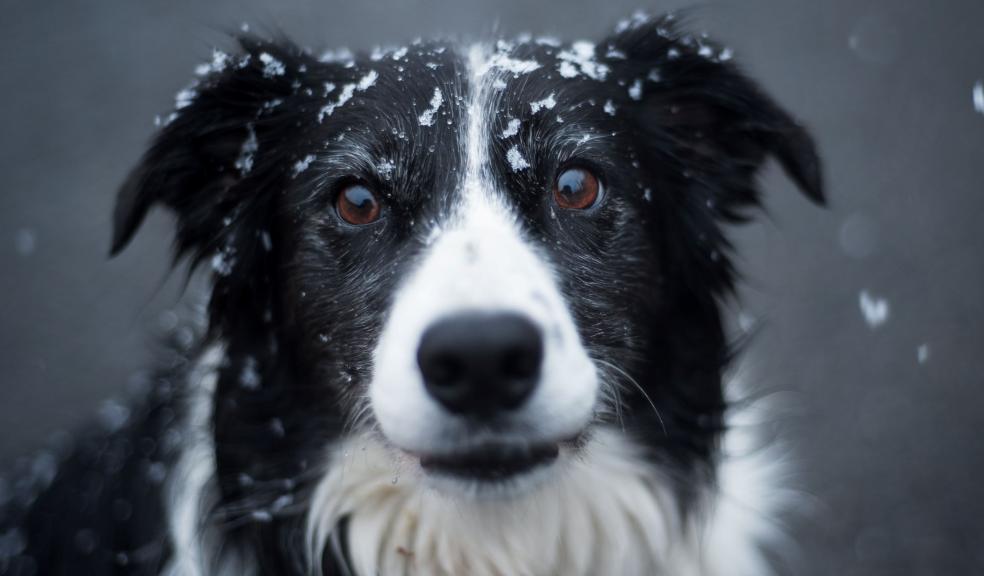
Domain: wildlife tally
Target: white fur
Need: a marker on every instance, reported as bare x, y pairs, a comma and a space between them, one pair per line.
606, 511
196, 543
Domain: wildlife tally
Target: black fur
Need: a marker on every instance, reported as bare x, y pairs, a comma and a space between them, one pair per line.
299, 297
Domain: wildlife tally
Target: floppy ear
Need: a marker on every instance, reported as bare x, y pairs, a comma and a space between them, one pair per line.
220, 132
219, 164
701, 112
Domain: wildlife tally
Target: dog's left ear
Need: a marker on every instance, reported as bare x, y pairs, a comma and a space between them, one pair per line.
697, 109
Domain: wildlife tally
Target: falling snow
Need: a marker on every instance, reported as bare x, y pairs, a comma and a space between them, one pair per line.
875, 310
549, 102
979, 96
635, 90
512, 128
516, 160
609, 108
922, 353
113, 415
427, 118
25, 241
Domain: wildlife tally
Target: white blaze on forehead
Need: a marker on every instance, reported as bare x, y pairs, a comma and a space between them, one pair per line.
479, 262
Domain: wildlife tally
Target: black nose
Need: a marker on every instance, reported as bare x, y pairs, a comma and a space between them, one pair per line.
481, 364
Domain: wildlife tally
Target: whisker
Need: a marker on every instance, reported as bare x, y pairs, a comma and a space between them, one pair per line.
638, 387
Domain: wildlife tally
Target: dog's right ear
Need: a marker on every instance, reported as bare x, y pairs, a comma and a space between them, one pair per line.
211, 144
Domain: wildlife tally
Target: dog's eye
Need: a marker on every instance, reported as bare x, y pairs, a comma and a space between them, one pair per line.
576, 189
358, 205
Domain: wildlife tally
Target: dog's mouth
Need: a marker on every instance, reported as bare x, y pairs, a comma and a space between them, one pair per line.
491, 463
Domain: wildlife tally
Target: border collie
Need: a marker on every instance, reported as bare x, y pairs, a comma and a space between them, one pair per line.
465, 316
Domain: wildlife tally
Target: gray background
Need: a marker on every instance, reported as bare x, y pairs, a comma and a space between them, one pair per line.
889, 449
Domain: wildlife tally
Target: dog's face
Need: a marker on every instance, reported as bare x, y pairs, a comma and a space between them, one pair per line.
478, 257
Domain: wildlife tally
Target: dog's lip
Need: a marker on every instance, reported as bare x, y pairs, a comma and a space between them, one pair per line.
491, 462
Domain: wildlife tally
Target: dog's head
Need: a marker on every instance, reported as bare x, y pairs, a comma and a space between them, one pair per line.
480, 256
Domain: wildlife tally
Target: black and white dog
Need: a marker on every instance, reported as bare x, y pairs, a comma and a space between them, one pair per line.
465, 319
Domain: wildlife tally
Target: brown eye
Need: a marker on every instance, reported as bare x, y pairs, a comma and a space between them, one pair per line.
576, 189
357, 205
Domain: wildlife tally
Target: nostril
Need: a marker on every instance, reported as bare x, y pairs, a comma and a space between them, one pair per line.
521, 362
444, 369
480, 364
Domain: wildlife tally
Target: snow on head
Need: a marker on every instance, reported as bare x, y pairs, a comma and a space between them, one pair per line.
512, 128
509, 64
516, 160
346, 94
271, 66
549, 102
385, 169
244, 163
609, 108
184, 98
875, 310
342, 55
501, 60
368, 80
580, 60
638, 19
302, 164
979, 96
427, 118
219, 62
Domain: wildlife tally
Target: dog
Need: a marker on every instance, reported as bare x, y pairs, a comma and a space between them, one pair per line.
465, 316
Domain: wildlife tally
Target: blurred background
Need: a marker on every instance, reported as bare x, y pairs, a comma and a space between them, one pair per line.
869, 313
